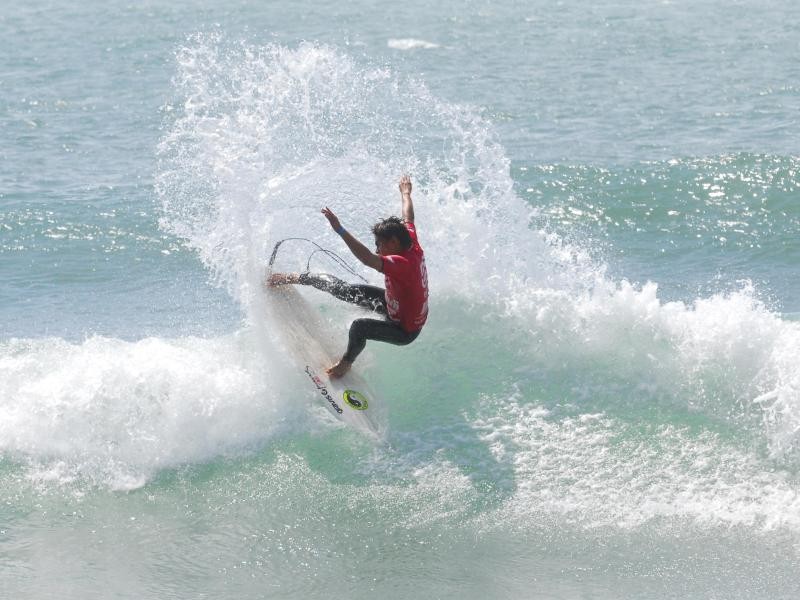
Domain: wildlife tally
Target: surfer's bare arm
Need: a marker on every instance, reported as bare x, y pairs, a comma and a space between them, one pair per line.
362, 253
405, 193
359, 250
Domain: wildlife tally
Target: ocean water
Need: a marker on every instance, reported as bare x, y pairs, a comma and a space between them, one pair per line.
605, 402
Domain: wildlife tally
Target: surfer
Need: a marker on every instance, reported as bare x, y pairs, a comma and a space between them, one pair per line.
404, 301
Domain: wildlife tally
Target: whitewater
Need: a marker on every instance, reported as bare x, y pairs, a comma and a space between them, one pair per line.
605, 401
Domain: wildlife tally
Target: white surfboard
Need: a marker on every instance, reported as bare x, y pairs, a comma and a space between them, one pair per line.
313, 346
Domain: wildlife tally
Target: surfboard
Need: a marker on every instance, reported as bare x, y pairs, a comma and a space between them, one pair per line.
313, 347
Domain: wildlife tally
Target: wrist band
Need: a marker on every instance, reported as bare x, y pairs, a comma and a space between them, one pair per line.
340, 230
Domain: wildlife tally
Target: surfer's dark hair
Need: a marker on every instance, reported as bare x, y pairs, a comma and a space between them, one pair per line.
393, 227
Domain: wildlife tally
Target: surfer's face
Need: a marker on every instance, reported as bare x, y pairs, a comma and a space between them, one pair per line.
387, 247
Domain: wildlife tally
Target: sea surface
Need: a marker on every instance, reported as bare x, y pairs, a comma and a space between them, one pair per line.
605, 402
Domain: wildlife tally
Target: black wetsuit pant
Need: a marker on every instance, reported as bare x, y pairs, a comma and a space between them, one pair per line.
361, 330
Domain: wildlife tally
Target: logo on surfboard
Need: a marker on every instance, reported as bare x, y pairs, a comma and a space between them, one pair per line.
355, 399
323, 390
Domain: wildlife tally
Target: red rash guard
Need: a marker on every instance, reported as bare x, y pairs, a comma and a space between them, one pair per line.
407, 285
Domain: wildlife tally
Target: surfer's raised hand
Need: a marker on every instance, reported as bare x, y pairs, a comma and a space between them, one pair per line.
405, 185
332, 219
405, 193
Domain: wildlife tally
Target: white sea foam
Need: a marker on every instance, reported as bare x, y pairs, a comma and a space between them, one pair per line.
597, 471
114, 412
525, 465
726, 356
270, 135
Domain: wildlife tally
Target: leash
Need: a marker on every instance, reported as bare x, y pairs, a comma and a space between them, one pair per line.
319, 249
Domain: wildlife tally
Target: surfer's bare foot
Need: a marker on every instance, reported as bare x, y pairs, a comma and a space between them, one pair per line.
339, 369
282, 279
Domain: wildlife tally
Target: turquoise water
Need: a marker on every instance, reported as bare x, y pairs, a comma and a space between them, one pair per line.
605, 402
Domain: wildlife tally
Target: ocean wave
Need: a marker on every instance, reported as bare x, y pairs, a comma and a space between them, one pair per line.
269, 134
727, 356
114, 413
596, 471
